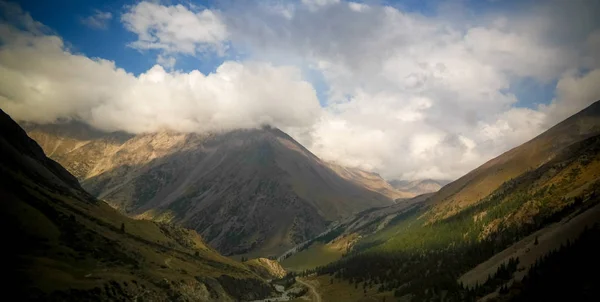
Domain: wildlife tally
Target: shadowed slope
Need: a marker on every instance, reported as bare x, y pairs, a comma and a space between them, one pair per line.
68, 246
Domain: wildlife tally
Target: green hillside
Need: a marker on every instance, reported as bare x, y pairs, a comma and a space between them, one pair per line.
419, 254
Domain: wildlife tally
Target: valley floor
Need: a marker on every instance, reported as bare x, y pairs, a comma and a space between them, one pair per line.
326, 291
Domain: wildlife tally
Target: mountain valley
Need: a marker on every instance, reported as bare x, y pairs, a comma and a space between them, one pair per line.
328, 222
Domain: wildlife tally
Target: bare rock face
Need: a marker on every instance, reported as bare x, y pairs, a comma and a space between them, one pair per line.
246, 191
266, 268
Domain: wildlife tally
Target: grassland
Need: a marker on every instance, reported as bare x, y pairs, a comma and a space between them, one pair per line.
345, 291
317, 254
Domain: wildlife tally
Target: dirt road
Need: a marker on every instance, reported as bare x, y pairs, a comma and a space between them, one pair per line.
313, 292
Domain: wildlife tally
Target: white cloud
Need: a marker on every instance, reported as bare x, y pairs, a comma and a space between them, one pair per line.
36, 71
166, 61
409, 96
99, 20
316, 4
574, 91
415, 96
359, 7
175, 29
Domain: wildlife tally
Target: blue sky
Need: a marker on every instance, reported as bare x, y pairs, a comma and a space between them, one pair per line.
410, 89
111, 43
65, 20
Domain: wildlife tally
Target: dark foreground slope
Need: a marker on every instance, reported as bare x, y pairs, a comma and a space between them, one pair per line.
61, 244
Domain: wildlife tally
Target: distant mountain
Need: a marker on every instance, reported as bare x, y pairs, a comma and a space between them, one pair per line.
418, 187
371, 181
62, 244
246, 191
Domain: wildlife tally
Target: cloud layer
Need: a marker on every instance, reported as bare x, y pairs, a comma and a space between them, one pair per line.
408, 96
41, 81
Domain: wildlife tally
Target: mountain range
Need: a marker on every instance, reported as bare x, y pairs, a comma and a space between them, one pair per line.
418, 187
66, 245
254, 191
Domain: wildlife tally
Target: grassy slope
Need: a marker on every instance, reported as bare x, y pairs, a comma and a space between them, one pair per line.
572, 175
482, 181
510, 206
317, 254
344, 291
71, 247
366, 227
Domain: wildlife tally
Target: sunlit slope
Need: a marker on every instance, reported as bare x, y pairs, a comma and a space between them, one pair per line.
66, 245
480, 182
421, 251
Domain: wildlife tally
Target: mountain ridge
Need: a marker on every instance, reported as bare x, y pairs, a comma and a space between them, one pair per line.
203, 181
483, 180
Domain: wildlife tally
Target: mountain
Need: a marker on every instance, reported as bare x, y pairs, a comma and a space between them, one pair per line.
418, 187
62, 244
253, 191
480, 235
371, 181
482, 181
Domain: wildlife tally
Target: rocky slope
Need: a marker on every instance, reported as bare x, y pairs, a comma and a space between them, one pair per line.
266, 268
62, 244
255, 192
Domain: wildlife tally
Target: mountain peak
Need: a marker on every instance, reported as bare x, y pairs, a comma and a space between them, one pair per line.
246, 190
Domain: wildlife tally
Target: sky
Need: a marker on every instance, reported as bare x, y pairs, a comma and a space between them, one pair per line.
408, 89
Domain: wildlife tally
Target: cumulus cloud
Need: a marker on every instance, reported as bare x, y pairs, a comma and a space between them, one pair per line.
98, 20
175, 28
414, 96
37, 71
574, 91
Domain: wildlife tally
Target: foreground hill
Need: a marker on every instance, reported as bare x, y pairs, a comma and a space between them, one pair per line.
255, 192
62, 244
440, 247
